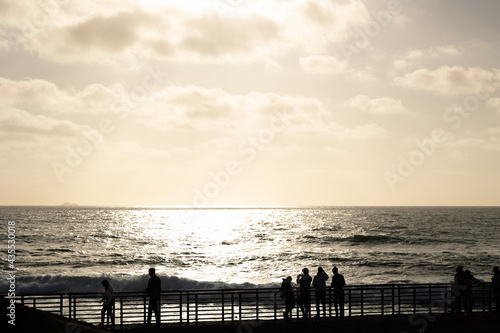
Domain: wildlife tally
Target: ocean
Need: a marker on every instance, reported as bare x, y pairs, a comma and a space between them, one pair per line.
71, 249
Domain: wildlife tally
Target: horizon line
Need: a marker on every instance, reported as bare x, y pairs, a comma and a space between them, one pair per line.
230, 206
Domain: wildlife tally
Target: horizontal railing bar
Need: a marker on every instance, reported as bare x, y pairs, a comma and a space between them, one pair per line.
230, 290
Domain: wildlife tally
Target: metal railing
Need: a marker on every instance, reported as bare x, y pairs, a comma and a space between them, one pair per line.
230, 305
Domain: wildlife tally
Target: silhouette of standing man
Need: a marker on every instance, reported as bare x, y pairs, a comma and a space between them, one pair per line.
304, 281
153, 291
338, 283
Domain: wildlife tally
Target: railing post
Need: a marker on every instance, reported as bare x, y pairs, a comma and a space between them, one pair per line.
61, 301
414, 299
275, 306
445, 300
257, 304
399, 299
121, 312
180, 306
223, 304
196, 309
362, 300
330, 301
392, 299
74, 307
350, 303
490, 296
145, 310
69, 306
159, 307
430, 298
297, 295
382, 302
187, 307
239, 303
232, 306
483, 298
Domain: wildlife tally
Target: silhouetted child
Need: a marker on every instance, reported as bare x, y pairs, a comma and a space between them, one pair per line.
108, 303
319, 284
304, 281
338, 283
288, 296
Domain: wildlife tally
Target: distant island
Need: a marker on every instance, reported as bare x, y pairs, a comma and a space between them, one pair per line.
69, 204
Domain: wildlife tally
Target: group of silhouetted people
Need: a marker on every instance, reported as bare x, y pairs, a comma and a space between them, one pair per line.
462, 290
153, 290
304, 281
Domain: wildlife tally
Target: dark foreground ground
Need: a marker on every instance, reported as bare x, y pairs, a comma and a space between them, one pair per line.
29, 320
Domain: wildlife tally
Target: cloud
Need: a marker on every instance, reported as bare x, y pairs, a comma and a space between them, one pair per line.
118, 32
448, 80
19, 122
412, 57
323, 65
135, 150
335, 19
361, 132
215, 113
112, 34
214, 37
329, 65
195, 108
381, 105
44, 97
494, 103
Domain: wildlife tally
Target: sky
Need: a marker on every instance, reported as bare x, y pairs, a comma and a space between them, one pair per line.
250, 103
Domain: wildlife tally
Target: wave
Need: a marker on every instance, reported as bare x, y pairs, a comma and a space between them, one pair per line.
355, 239
73, 284
373, 239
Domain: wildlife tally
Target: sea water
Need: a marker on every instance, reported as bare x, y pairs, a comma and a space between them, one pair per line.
69, 249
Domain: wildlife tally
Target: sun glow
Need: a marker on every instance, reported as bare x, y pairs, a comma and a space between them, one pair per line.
193, 5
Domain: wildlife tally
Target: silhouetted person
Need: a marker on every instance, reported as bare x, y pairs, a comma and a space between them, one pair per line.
458, 289
287, 293
495, 281
338, 283
304, 282
108, 303
153, 291
468, 298
319, 284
